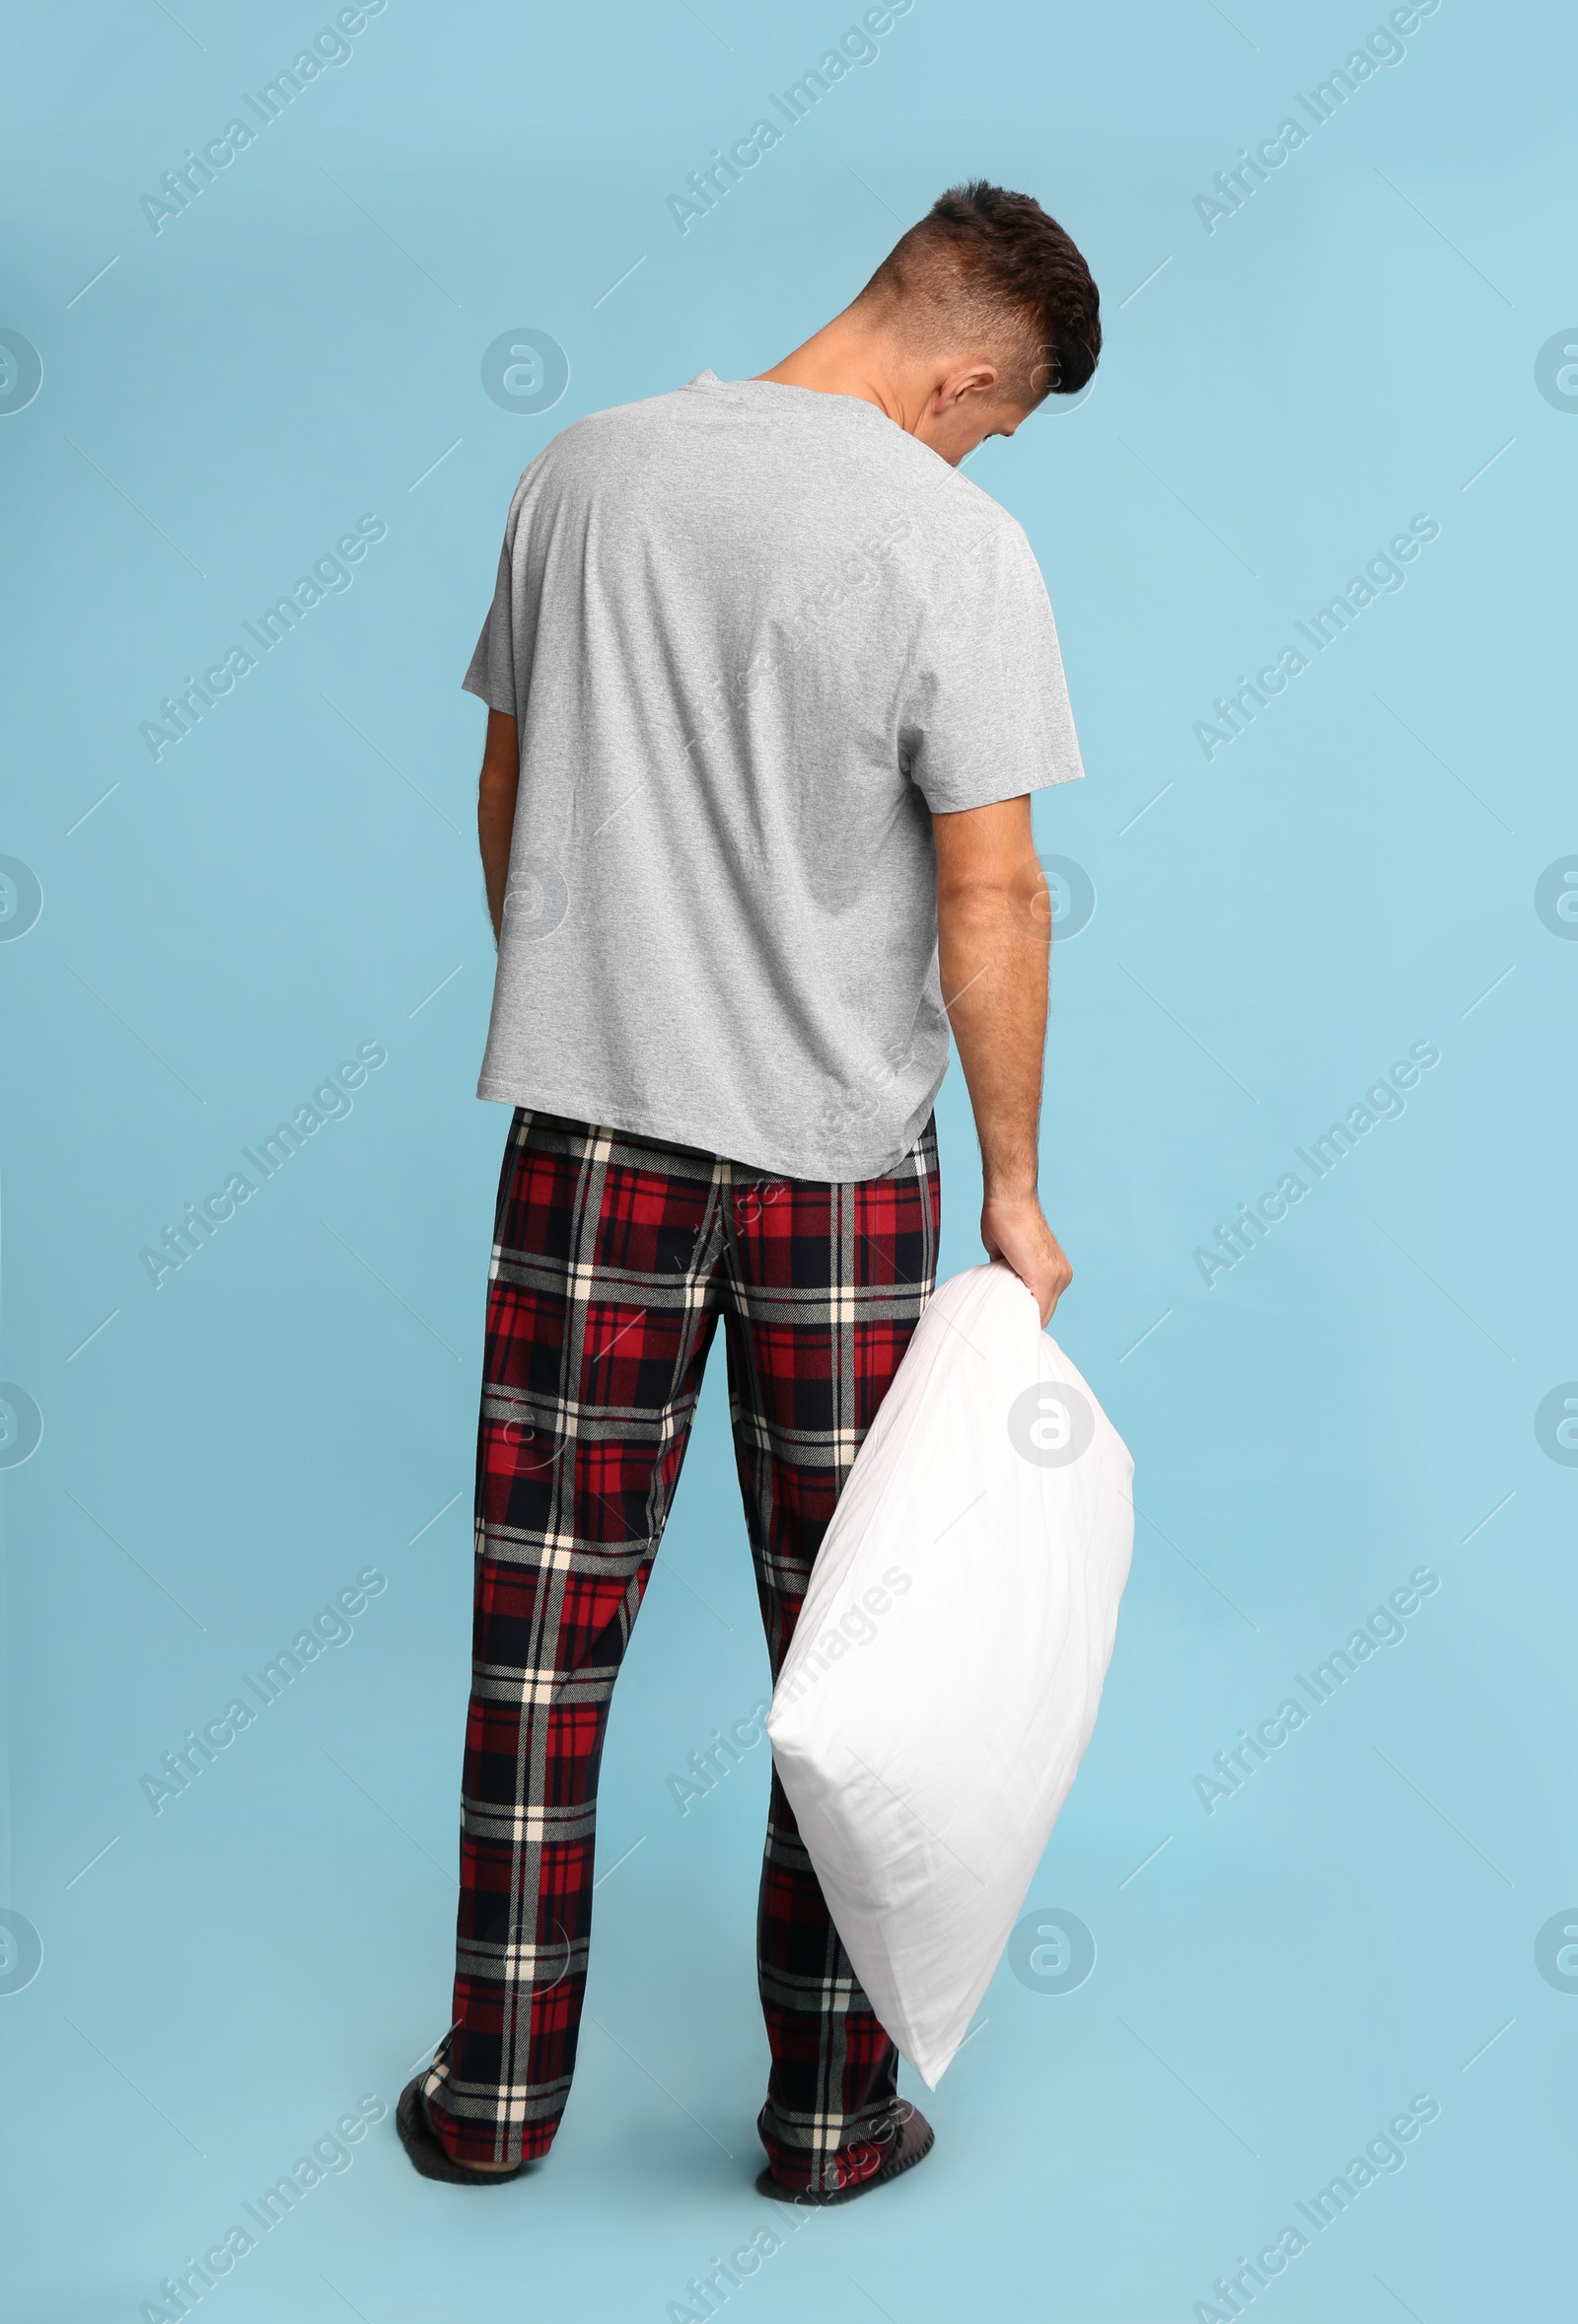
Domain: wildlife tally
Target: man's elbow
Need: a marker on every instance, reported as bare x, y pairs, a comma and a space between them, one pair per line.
1015, 888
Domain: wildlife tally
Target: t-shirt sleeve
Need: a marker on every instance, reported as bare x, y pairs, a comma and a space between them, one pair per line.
491, 671
985, 712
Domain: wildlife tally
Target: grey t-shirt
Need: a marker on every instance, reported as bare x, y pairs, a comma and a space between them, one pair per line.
753, 637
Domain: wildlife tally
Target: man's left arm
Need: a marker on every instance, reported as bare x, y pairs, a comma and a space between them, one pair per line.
496, 790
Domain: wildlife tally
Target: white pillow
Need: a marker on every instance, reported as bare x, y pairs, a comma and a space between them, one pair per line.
944, 1676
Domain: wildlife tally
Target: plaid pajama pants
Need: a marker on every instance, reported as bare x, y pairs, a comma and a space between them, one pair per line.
614, 1258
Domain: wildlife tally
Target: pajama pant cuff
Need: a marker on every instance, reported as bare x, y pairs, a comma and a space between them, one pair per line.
477, 2141
861, 2155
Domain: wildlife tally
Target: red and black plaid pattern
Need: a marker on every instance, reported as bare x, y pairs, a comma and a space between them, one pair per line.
614, 1258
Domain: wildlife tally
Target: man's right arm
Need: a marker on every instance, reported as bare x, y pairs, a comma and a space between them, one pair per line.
993, 930
496, 791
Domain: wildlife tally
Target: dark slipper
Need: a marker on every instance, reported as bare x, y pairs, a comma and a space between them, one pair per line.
421, 2143
912, 2143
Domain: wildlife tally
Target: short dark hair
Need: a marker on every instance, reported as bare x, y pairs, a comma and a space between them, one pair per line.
992, 264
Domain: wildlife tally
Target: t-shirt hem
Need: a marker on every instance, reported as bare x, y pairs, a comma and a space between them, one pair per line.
672, 1129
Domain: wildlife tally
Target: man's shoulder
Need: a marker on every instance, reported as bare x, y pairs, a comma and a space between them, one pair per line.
596, 431
597, 445
982, 518
964, 539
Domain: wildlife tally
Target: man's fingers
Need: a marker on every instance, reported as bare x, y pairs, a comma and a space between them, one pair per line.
1027, 1244
1062, 1277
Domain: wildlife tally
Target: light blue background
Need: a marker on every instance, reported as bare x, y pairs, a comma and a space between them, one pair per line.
1354, 874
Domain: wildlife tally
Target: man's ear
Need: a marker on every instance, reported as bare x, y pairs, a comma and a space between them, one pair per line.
966, 378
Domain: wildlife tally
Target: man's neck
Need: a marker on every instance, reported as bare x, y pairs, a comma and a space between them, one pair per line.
839, 361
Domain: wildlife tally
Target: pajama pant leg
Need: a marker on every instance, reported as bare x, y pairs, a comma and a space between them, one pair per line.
824, 1285
602, 1302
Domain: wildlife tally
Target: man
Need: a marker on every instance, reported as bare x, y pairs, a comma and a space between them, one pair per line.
769, 684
